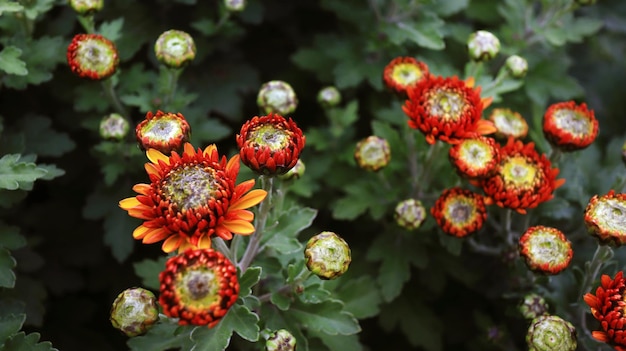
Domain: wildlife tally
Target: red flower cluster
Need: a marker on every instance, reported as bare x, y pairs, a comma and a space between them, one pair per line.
607, 306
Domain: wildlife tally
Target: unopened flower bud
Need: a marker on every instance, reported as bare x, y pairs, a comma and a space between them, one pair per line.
134, 311
165, 132
483, 46
410, 214
517, 66
86, 7
281, 340
372, 153
295, 173
533, 306
548, 333
278, 97
329, 97
92, 56
235, 5
327, 255
175, 48
545, 249
114, 127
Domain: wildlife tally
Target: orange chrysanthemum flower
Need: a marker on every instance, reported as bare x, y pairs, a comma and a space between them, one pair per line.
92, 56
607, 306
459, 212
446, 109
523, 179
605, 218
191, 198
198, 287
271, 144
403, 72
165, 132
569, 126
545, 249
475, 157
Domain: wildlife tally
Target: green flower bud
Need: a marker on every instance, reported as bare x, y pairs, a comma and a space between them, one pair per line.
295, 173
277, 97
372, 153
517, 66
235, 5
86, 7
329, 97
410, 214
114, 127
281, 340
134, 311
533, 306
175, 48
327, 255
551, 333
483, 46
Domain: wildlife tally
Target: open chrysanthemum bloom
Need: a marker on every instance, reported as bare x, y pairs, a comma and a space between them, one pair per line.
403, 72
271, 144
607, 306
92, 56
459, 212
475, 157
508, 124
605, 217
523, 179
198, 287
191, 198
165, 132
545, 249
447, 109
569, 126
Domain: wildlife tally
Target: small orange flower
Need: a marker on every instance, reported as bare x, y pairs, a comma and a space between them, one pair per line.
569, 126
191, 198
607, 306
459, 212
508, 123
545, 249
475, 157
165, 132
447, 109
403, 72
605, 218
92, 56
523, 179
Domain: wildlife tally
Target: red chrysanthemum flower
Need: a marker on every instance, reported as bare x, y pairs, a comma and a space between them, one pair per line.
508, 123
446, 109
165, 132
475, 157
270, 145
403, 72
545, 249
605, 218
459, 212
523, 179
191, 198
92, 56
198, 287
569, 126
607, 306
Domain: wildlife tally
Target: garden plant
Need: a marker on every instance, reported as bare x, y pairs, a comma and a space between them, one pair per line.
341, 175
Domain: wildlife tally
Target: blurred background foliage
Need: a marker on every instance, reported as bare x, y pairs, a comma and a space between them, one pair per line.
67, 249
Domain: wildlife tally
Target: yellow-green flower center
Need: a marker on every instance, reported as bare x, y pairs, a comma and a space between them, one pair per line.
460, 211
610, 215
406, 73
198, 288
191, 187
546, 247
95, 55
519, 173
572, 122
268, 135
446, 104
163, 129
475, 153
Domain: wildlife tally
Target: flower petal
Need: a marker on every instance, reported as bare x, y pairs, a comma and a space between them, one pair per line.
156, 235
129, 203
238, 226
142, 189
155, 156
172, 243
140, 232
250, 199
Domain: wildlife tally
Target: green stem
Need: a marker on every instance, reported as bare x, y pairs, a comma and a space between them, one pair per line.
172, 85
220, 245
555, 155
88, 23
267, 184
480, 248
412, 159
510, 237
109, 90
427, 167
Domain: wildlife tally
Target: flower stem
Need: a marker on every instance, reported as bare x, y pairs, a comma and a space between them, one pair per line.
267, 184
109, 90
221, 246
508, 216
172, 84
412, 158
88, 23
480, 248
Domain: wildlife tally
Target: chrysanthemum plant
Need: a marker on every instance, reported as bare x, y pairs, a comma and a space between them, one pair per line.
433, 175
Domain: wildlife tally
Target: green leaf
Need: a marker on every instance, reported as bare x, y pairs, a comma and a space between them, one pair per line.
448, 7
112, 30
10, 6
280, 300
30, 342
283, 236
10, 237
37, 7
418, 322
42, 140
327, 317
314, 293
148, 270
250, 277
41, 57
549, 78
10, 62
339, 342
10, 324
18, 175
118, 227
53, 171
164, 335
360, 296
345, 116
210, 130
424, 33
238, 319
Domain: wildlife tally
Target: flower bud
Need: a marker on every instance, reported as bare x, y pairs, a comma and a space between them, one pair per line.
329, 97
548, 333
165, 132
372, 153
114, 127
278, 97
235, 5
533, 306
410, 214
295, 173
175, 48
281, 340
86, 7
545, 249
327, 255
605, 218
134, 311
92, 56
483, 46
517, 66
